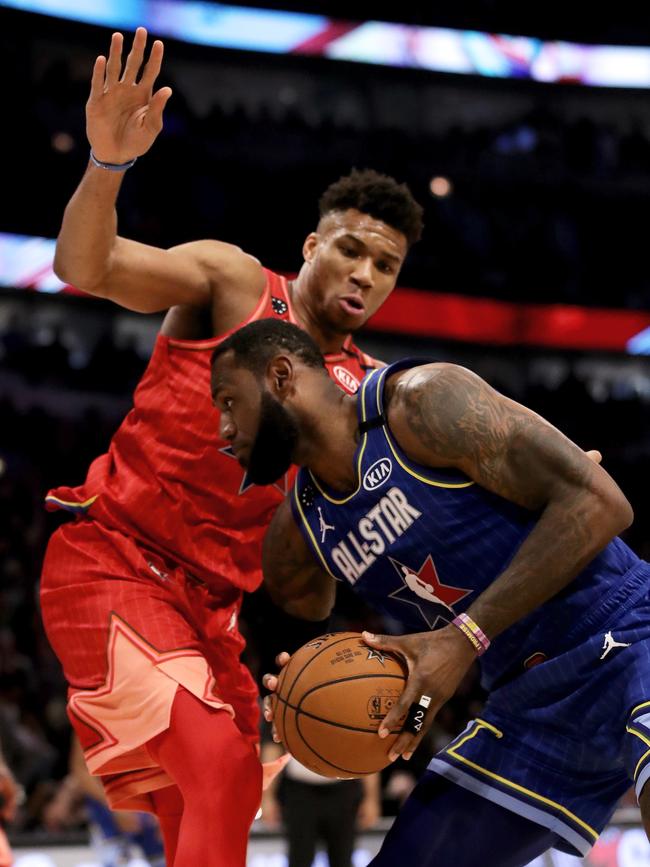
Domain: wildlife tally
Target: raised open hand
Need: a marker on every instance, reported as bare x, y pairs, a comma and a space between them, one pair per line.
124, 115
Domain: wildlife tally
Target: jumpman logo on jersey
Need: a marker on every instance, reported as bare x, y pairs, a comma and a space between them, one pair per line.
281, 485
424, 589
610, 644
323, 526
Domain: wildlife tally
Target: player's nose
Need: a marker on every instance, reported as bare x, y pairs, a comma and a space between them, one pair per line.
227, 428
362, 273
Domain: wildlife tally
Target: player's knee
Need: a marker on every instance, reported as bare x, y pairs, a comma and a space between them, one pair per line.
231, 771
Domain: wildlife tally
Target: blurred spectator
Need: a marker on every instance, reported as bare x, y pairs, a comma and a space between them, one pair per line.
116, 836
9, 794
315, 809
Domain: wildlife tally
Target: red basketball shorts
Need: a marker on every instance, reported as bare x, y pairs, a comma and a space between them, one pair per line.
129, 628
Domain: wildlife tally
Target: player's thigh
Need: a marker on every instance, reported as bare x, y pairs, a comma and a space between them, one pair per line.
442, 823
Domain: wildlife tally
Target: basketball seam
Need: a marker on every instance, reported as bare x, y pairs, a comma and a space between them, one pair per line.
318, 653
298, 711
308, 662
312, 750
322, 758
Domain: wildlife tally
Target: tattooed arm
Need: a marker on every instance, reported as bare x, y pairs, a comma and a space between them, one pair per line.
443, 415
295, 581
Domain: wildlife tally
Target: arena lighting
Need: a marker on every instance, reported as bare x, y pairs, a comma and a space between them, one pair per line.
26, 263
440, 187
464, 52
640, 343
62, 142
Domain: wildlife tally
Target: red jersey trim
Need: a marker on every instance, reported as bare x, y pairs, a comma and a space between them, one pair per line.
292, 314
213, 342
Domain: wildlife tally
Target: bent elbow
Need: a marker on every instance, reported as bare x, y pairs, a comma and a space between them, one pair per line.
626, 513
77, 275
61, 268
617, 513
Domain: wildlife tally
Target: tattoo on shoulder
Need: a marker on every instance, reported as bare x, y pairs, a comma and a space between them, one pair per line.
455, 413
462, 421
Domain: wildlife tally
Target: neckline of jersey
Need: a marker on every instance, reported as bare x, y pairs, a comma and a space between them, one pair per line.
330, 494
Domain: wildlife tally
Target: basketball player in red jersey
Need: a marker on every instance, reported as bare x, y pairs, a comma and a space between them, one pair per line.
141, 593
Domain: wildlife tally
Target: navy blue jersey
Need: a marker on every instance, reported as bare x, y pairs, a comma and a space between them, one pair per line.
420, 544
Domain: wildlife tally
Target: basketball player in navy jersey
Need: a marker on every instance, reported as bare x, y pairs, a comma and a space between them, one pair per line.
482, 531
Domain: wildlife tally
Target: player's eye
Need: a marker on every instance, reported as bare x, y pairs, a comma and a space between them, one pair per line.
385, 267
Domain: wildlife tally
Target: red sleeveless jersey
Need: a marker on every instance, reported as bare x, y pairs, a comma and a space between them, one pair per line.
169, 481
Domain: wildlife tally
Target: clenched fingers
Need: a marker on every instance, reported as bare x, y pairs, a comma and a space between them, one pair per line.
270, 682
409, 709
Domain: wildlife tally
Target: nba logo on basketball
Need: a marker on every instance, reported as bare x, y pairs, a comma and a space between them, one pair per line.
379, 705
349, 382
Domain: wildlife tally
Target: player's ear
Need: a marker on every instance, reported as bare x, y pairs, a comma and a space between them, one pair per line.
309, 247
279, 376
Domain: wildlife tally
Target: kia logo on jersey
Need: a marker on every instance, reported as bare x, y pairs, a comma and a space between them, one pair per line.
376, 475
348, 381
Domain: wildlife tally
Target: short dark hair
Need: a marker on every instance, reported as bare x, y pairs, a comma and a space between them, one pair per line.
380, 196
258, 342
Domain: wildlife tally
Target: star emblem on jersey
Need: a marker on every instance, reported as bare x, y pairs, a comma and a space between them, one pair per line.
281, 485
279, 306
423, 588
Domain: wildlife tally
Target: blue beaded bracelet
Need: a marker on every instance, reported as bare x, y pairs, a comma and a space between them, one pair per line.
111, 167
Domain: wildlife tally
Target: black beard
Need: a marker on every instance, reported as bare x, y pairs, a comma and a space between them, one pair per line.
274, 444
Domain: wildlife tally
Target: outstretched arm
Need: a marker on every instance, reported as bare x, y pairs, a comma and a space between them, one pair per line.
445, 416
123, 119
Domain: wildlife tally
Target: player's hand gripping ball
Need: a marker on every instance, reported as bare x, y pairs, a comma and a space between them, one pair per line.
330, 700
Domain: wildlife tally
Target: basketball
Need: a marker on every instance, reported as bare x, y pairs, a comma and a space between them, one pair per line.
331, 698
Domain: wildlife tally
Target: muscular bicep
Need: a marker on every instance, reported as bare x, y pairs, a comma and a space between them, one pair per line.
295, 581
447, 416
149, 279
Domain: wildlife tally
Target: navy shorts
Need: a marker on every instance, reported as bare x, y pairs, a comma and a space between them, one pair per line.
562, 742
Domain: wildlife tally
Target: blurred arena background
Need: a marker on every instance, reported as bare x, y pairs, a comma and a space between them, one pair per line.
531, 156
